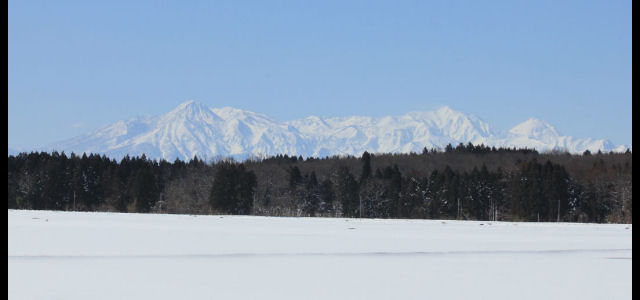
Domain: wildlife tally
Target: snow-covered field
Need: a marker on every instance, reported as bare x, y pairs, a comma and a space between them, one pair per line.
62, 255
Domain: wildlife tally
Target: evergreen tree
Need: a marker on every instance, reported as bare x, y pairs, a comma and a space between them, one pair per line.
454, 184
233, 189
327, 196
366, 166
145, 190
347, 192
311, 195
295, 176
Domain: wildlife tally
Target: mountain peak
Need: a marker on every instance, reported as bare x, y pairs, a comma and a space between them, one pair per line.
191, 111
534, 128
190, 105
194, 129
446, 111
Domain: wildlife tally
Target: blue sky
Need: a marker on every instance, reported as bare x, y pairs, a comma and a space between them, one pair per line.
74, 66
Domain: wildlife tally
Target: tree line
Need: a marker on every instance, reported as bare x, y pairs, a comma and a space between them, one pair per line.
466, 182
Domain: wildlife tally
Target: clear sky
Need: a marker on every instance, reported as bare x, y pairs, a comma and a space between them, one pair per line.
74, 66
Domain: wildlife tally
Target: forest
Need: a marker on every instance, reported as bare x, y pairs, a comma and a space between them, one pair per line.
466, 182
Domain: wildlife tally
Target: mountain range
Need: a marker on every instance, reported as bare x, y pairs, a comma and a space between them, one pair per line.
194, 129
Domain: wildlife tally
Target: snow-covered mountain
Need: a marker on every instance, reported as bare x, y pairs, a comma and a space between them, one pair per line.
410, 132
188, 130
194, 129
534, 133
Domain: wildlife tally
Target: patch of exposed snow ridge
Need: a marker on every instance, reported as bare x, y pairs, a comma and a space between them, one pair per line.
194, 129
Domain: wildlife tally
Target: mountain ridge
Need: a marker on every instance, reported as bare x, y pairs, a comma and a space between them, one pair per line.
193, 129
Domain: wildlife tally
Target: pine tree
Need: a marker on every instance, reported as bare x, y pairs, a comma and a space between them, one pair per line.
311, 195
326, 195
347, 192
233, 189
145, 190
366, 166
295, 176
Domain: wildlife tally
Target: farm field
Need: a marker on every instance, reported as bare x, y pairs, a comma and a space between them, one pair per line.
77, 255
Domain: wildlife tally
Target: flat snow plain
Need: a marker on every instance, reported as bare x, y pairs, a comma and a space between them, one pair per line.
72, 255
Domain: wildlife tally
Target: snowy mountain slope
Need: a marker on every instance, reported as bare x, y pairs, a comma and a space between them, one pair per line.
534, 133
188, 130
410, 132
194, 129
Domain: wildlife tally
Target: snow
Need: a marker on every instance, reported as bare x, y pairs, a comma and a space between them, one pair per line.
73, 255
535, 128
194, 129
